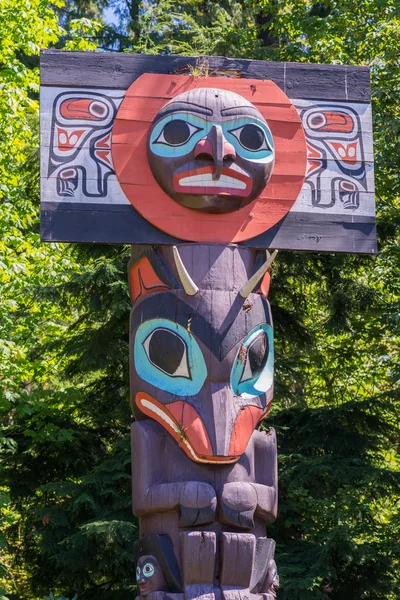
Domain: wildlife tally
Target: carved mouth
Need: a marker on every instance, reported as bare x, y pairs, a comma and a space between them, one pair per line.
233, 181
190, 424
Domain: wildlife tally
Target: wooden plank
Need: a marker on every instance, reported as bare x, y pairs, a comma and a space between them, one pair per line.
358, 83
317, 76
285, 166
145, 109
118, 71
168, 87
139, 123
146, 191
121, 224
304, 198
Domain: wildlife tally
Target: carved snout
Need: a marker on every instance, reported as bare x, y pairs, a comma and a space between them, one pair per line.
234, 422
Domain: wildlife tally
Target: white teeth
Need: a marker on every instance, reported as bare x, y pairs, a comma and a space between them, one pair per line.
206, 180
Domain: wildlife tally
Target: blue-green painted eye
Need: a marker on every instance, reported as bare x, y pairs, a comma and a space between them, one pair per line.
138, 573
252, 139
177, 134
148, 570
252, 372
168, 356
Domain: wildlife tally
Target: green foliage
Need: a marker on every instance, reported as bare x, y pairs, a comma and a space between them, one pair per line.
52, 597
66, 522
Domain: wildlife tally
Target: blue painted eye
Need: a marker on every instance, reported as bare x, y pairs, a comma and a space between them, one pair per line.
168, 356
177, 134
138, 573
252, 372
148, 570
252, 139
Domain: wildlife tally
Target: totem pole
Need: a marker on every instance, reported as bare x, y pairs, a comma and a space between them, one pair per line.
203, 175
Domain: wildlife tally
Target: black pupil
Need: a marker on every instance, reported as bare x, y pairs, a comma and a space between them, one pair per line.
252, 137
176, 132
317, 120
98, 109
257, 354
166, 350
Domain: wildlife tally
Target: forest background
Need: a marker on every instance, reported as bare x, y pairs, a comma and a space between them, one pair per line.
65, 518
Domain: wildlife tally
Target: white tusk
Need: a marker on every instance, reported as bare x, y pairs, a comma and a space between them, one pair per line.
187, 282
249, 286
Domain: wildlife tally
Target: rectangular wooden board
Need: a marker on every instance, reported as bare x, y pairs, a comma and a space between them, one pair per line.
94, 208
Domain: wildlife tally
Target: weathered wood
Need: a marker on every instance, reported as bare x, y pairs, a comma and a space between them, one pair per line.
120, 224
265, 550
202, 474
118, 71
238, 551
78, 162
198, 551
250, 156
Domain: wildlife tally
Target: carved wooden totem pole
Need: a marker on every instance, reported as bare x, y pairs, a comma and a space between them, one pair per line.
202, 175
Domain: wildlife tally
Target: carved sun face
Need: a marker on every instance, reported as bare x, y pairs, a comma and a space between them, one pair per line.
211, 150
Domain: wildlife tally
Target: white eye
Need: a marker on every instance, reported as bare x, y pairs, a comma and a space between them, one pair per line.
251, 137
168, 352
148, 570
176, 133
138, 573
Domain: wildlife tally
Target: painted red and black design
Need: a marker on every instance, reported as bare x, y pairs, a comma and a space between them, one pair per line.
80, 151
336, 162
338, 143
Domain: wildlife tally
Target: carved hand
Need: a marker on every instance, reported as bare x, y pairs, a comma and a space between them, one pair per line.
238, 504
197, 504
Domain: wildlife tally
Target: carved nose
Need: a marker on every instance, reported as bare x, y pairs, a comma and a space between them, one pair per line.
222, 404
216, 148
205, 148
234, 421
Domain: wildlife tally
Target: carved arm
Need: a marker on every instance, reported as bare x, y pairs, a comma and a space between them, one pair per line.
195, 500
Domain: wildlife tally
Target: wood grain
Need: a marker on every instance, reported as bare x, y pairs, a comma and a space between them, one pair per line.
307, 227
121, 224
118, 71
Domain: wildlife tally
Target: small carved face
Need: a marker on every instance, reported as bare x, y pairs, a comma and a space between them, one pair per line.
211, 150
149, 576
272, 579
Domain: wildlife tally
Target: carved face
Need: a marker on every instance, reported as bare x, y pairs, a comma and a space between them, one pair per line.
202, 365
272, 579
211, 150
149, 576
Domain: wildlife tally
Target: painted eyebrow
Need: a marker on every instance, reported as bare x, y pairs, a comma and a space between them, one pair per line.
151, 561
185, 106
234, 111
175, 310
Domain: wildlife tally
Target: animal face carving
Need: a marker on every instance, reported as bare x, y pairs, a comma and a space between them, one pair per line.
202, 365
211, 150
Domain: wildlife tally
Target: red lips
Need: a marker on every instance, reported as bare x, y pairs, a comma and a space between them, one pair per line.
231, 182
